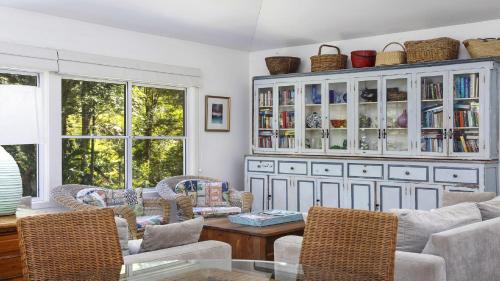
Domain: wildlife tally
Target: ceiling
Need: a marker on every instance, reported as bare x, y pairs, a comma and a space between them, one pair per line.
266, 24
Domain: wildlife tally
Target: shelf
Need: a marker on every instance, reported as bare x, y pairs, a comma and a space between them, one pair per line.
427, 128
338, 104
397, 128
286, 129
313, 104
265, 129
368, 103
338, 128
441, 100
477, 98
286, 105
465, 128
312, 129
368, 128
396, 102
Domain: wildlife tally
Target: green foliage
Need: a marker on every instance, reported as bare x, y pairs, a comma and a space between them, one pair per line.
18, 79
26, 159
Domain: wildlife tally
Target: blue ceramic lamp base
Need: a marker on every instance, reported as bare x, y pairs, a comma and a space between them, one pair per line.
10, 184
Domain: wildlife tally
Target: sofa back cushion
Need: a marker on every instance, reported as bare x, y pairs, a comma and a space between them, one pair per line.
490, 209
92, 196
122, 228
415, 226
204, 193
158, 237
453, 198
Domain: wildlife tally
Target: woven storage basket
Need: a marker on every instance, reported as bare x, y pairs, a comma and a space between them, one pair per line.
391, 57
487, 47
438, 49
282, 65
328, 62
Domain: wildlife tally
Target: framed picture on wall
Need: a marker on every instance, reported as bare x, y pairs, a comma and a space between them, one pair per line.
217, 114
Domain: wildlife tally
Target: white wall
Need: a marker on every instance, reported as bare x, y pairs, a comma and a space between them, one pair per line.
459, 32
224, 73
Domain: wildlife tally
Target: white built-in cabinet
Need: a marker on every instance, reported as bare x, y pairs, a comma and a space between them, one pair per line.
437, 111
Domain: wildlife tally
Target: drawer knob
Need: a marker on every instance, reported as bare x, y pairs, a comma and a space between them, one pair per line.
327, 170
317, 200
364, 171
407, 173
455, 175
292, 168
258, 166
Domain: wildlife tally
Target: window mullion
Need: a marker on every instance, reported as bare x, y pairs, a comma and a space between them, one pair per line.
129, 139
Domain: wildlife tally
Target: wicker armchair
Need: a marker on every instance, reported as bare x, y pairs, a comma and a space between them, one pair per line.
349, 245
165, 189
80, 245
65, 195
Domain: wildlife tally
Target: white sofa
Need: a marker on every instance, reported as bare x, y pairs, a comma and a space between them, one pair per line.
466, 253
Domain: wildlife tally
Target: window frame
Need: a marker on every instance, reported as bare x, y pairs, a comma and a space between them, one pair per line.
129, 137
39, 146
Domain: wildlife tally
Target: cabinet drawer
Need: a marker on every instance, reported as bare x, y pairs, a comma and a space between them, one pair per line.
408, 173
260, 166
371, 171
456, 175
327, 169
292, 167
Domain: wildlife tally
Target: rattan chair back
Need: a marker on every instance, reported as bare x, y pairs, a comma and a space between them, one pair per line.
349, 245
70, 246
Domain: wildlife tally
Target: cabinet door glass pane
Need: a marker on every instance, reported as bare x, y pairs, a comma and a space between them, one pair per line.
313, 130
431, 114
368, 115
396, 134
466, 113
265, 118
337, 116
286, 120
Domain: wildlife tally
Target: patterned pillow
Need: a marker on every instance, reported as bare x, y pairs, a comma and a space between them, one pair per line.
139, 207
92, 196
115, 197
195, 189
213, 194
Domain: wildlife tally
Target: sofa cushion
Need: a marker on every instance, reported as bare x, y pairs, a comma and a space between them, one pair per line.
416, 226
122, 229
92, 196
134, 246
196, 190
453, 198
208, 212
144, 221
158, 237
490, 209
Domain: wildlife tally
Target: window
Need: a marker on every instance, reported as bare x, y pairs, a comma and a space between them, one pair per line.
26, 155
107, 144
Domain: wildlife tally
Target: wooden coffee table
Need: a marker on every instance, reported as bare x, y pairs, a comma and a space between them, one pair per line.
249, 242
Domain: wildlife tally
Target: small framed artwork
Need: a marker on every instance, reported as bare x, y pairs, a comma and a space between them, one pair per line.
217, 114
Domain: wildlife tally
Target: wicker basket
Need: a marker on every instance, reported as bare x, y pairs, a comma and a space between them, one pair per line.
486, 47
438, 49
391, 57
328, 62
394, 94
282, 65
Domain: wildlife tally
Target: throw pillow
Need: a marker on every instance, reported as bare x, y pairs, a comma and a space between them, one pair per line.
158, 237
416, 226
213, 195
453, 198
115, 197
122, 229
92, 196
490, 209
139, 207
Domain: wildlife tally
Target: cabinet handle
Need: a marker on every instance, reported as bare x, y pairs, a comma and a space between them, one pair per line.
450, 134
455, 176
292, 168
322, 133
276, 133
445, 133
327, 133
379, 134
364, 171
258, 166
327, 170
407, 173
384, 134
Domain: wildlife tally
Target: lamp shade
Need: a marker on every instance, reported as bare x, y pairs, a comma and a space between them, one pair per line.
11, 187
18, 115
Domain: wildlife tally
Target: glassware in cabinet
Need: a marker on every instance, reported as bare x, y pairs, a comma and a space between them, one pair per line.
265, 118
286, 117
396, 131
466, 113
368, 134
313, 117
338, 116
432, 123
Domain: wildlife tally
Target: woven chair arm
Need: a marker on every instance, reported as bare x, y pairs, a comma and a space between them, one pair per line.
60, 196
184, 206
129, 215
157, 206
242, 199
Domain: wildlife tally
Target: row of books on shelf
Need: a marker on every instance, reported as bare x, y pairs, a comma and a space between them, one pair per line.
432, 119
466, 118
287, 141
466, 144
432, 143
432, 90
266, 98
265, 119
287, 97
466, 86
265, 142
287, 119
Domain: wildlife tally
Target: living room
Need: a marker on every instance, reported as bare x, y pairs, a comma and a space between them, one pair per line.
266, 140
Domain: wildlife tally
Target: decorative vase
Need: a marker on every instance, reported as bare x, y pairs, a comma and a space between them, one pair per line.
403, 119
11, 187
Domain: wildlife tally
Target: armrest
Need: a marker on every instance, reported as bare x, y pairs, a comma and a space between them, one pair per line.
157, 206
416, 267
129, 215
471, 252
185, 207
242, 199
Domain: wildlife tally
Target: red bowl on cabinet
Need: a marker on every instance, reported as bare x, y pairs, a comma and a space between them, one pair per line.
363, 58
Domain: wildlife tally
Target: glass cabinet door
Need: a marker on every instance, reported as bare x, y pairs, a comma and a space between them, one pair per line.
286, 117
313, 132
265, 121
397, 120
431, 110
465, 116
367, 111
337, 134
